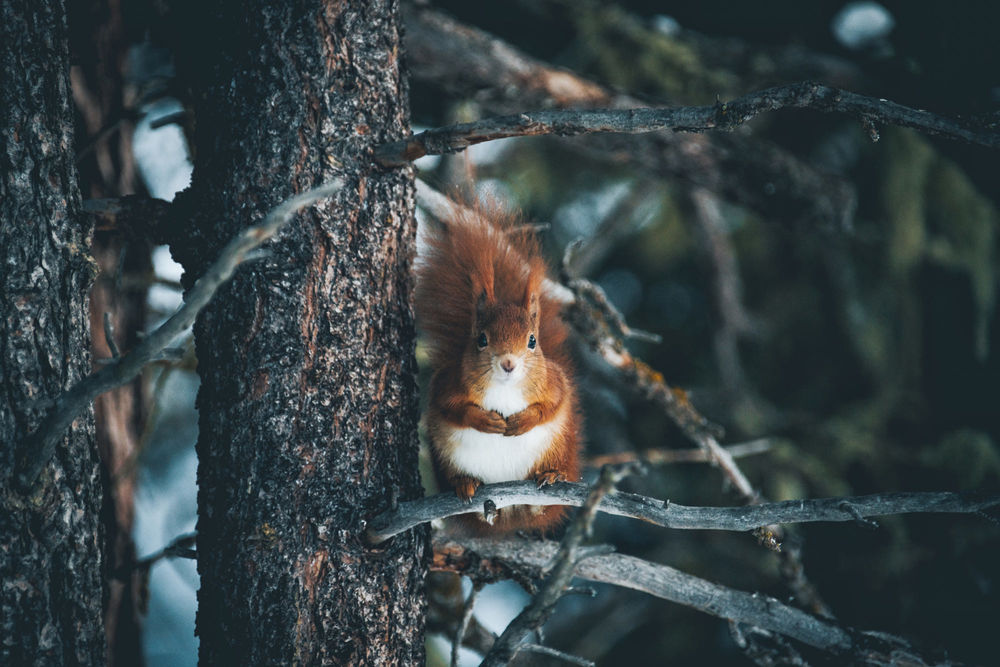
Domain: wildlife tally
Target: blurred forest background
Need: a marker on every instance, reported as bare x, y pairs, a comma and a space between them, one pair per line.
827, 298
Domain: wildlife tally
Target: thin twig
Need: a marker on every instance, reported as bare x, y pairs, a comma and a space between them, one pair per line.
621, 222
668, 456
732, 319
765, 647
101, 135
155, 407
109, 335
560, 570
463, 625
40, 445
176, 117
596, 295
556, 653
720, 116
598, 324
179, 547
671, 515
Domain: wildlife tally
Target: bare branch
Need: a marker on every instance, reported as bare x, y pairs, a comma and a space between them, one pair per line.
744, 169
561, 569
591, 319
40, 445
500, 557
723, 116
180, 547
658, 580
671, 515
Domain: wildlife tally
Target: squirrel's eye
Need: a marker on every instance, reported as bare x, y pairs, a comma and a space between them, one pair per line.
532, 342
482, 341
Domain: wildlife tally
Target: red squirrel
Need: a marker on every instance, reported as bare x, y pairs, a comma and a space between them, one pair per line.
502, 402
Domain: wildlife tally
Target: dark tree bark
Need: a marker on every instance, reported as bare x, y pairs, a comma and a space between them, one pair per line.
51, 557
308, 400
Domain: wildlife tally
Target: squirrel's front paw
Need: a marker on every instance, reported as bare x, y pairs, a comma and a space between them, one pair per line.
546, 477
465, 488
521, 422
489, 422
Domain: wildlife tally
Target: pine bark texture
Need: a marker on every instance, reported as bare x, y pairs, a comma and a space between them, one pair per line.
51, 560
308, 405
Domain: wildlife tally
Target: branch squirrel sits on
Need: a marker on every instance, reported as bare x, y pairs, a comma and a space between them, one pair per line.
502, 402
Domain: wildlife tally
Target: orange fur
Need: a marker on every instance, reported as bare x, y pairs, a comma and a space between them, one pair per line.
503, 409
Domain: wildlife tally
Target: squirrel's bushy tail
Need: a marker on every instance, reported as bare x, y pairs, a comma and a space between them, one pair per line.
479, 248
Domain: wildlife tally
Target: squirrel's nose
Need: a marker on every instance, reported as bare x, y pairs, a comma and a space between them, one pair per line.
507, 364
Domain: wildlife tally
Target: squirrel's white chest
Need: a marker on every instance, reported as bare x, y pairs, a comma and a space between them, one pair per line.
507, 398
494, 457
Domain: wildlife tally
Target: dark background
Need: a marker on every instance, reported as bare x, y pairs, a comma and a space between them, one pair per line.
863, 365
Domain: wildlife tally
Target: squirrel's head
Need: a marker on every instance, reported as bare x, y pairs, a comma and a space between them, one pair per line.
503, 345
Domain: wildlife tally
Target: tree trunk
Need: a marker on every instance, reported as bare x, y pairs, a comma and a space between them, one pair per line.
307, 405
51, 557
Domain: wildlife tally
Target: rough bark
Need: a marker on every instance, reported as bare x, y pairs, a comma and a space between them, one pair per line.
308, 401
51, 547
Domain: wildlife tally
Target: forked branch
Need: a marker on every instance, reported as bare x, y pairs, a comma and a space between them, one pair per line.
39, 446
560, 570
499, 558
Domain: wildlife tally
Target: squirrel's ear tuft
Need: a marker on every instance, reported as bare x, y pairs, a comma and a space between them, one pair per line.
481, 304
531, 305
531, 289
